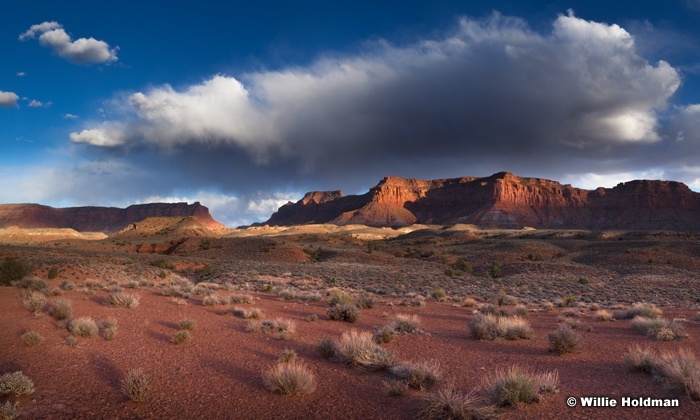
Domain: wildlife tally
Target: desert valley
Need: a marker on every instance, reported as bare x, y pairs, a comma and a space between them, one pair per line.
456, 298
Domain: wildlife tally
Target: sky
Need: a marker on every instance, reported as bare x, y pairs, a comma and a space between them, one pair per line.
244, 107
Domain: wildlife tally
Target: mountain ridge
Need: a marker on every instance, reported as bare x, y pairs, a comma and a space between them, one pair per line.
502, 200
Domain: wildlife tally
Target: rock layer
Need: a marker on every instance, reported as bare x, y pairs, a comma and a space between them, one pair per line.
99, 219
502, 200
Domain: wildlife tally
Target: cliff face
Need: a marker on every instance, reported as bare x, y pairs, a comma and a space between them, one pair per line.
502, 200
98, 219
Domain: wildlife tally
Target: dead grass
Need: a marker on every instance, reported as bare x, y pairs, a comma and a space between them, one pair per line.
181, 337
358, 349
122, 300
108, 328
491, 327
290, 378
680, 370
405, 324
419, 376
8, 411
60, 309
136, 385
646, 310
187, 324
640, 359
344, 312
449, 404
516, 385
35, 302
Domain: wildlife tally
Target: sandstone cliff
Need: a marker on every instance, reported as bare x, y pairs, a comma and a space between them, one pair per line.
502, 200
99, 219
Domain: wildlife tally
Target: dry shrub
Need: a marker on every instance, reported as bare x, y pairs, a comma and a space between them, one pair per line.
469, 302
520, 310
187, 324
516, 385
563, 340
8, 411
385, 334
364, 300
344, 312
490, 327
34, 301
448, 403
211, 300
646, 310
327, 348
135, 385
122, 300
240, 299
108, 328
417, 375
396, 388
85, 327
181, 337
603, 315
358, 349
405, 324
16, 383
288, 355
640, 359
60, 309
660, 329
339, 297
32, 338
290, 378
680, 370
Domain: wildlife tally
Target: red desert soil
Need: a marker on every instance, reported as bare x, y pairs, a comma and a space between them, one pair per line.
218, 374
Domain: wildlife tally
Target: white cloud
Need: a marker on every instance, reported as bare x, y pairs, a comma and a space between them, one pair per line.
8, 99
86, 51
21, 74
70, 117
38, 104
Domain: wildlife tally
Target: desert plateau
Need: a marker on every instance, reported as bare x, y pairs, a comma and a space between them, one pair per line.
414, 321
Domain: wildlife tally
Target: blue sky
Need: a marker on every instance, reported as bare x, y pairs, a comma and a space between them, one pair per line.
246, 106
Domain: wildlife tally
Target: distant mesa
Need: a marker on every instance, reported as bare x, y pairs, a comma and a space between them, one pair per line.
502, 200
107, 220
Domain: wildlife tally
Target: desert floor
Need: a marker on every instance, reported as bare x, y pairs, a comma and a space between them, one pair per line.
218, 374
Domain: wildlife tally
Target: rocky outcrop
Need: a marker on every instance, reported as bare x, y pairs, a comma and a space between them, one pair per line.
502, 200
99, 219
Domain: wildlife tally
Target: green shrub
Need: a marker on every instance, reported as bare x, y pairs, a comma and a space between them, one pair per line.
439, 295
13, 269
338, 297
495, 271
53, 272
327, 348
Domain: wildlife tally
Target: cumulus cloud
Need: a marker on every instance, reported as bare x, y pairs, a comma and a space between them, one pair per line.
8, 99
38, 104
84, 51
